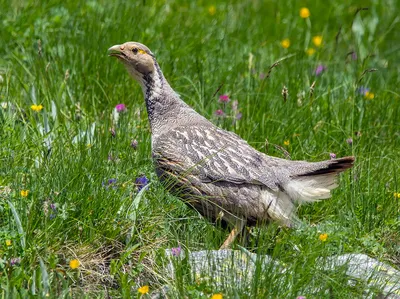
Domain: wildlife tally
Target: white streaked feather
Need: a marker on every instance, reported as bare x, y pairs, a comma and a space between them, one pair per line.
311, 188
278, 207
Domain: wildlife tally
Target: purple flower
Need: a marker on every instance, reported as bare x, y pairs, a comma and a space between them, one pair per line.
120, 108
141, 182
320, 68
134, 144
332, 155
262, 76
349, 141
300, 297
176, 251
239, 116
53, 207
224, 98
362, 90
219, 112
110, 183
15, 261
354, 55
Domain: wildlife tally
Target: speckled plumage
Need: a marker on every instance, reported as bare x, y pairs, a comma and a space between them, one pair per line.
213, 170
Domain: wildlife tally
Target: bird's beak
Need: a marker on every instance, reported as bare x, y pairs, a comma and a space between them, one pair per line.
115, 51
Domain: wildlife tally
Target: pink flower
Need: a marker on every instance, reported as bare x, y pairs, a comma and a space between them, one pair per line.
332, 155
219, 112
176, 251
120, 107
319, 70
224, 98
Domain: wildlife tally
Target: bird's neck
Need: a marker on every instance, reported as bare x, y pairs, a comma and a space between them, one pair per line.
165, 109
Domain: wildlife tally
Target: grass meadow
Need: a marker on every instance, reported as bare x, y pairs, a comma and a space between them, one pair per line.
73, 223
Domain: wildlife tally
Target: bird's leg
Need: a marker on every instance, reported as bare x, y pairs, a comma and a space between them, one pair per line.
237, 229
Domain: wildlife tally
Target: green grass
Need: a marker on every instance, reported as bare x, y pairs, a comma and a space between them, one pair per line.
120, 238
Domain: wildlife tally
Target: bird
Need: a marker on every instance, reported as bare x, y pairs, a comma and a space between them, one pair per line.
215, 171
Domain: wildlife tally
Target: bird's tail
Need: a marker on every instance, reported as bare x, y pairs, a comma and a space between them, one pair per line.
314, 181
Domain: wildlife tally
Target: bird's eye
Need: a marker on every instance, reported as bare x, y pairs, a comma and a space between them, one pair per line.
135, 50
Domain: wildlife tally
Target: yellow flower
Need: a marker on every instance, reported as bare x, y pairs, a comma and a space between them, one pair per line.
143, 290
323, 237
317, 40
8, 242
310, 51
286, 142
304, 12
396, 195
285, 43
24, 193
74, 264
217, 296
37, 108
212, 10
369, 95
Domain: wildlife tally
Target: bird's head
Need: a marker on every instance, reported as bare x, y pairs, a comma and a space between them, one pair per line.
136, 57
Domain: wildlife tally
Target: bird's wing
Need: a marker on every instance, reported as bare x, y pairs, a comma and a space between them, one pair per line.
213, 155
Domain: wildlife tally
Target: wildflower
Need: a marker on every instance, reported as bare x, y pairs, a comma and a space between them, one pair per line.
323, 237
8, 242
332, 155
262, 76
286, 142
239, 116
143, 290
212, 10
300, 297
134, 144
141, 182
349, 141
176, 251
304, 12
235, 105
224, 98
217, 296
310, 51
15, 261
396, 195
54, 211
24, 193
285, 43
110, 183
317, 40
36, 108
219, 112
320, 68
120, 108
354, 56
369, 95
363, 90
74, 264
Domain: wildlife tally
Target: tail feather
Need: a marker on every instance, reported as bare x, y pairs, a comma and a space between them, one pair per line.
332, 166
317, 181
